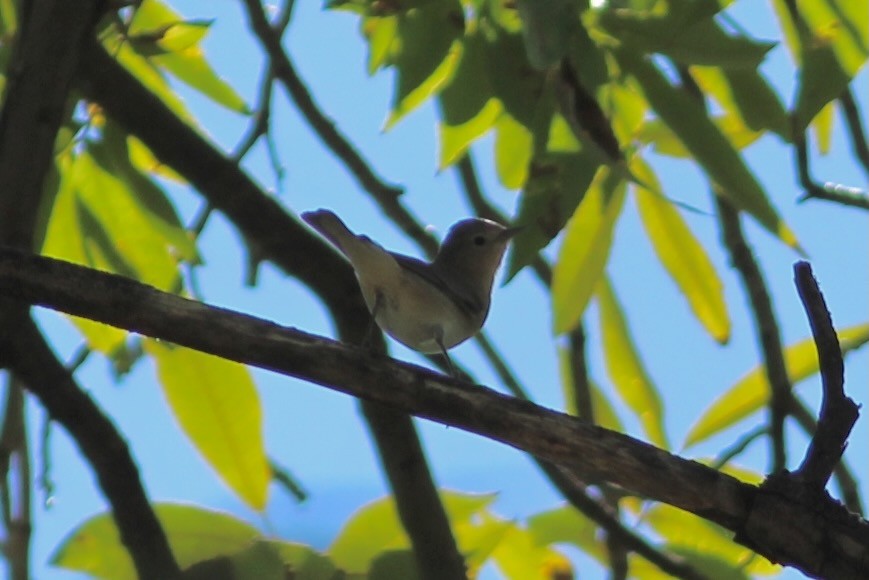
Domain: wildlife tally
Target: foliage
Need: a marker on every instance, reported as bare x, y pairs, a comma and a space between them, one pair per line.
578, 99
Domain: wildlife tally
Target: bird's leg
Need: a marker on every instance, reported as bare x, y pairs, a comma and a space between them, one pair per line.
450, 367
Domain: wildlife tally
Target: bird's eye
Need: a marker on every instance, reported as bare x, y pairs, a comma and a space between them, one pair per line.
479, 240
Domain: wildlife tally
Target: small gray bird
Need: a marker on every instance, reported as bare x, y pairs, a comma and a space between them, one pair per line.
429, 307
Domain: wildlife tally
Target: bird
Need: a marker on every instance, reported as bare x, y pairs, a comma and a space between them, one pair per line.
432, 306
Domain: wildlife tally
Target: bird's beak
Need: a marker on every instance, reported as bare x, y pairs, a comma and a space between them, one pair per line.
508, 233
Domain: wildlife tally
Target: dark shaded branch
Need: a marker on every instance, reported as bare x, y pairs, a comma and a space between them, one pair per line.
816, 535
766, 325
838, 412
15, 473
97, 438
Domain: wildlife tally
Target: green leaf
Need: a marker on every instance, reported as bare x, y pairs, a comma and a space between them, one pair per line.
306, 563
566, 525
832, 44
375, 528
687, 33
468, 108
195, 534
149, 75
125, 220
626, 369
585, 249
64, 240
745, 94
688, 120
517, 85
682, 255
547, 28
165, 39
666, 142
425, 53
259, 561
381, 32
394, 564
217, 406
751, 392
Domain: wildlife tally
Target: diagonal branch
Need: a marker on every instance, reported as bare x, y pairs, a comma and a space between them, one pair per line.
818, 536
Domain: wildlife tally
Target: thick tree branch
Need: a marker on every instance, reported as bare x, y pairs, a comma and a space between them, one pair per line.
39, 77
819, 536
279, 238
36, 365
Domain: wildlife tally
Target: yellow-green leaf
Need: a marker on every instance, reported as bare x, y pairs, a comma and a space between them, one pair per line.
682, 254
687, 531
375, 528
520, 555
751, 392
195, 534
514, 148
380, 32
64, 240
711, 149
626, 369
585, 249
217, 406
566, 525
823, 128
747, 95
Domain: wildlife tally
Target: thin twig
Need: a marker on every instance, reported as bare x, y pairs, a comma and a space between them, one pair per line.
766, 326
322, 125
849, 196
739, 446
281, 475
859, 143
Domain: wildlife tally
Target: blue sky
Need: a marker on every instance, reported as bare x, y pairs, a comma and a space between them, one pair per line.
318, 434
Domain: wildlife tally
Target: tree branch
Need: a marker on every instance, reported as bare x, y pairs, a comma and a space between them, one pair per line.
37, 367
820, 538
838, 412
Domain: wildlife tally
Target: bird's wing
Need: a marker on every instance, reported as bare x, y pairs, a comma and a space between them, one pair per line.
463, 299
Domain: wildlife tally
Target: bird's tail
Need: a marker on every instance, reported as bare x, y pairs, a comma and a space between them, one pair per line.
330, 227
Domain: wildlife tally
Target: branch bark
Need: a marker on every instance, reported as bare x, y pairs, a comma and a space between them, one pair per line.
819, 537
